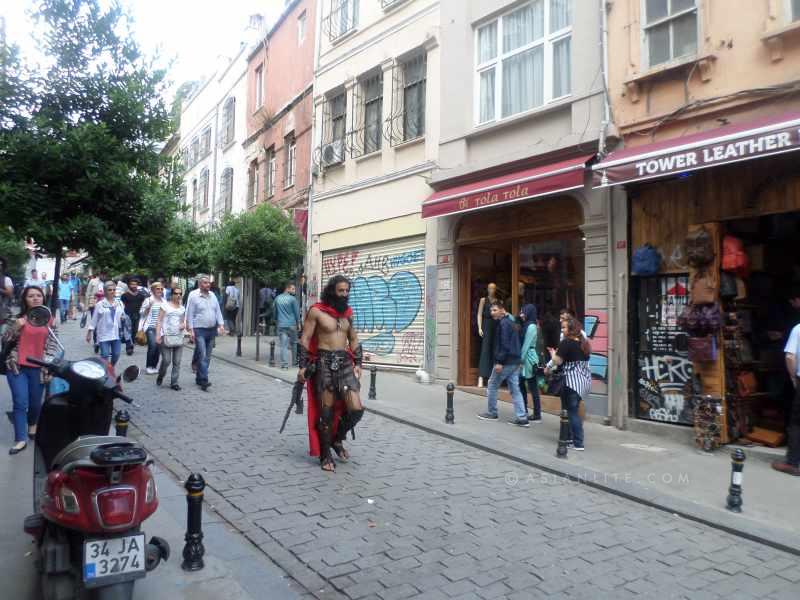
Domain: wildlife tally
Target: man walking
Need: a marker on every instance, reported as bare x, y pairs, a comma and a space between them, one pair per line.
132, 301
204, 321
506, 366
106, 322
286, 313
232, 305
34, 281
791, 465
64, 296
266, 296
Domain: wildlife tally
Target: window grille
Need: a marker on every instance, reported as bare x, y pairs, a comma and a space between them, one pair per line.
333, 146
205, 142
367, 118
342, 18
409, 83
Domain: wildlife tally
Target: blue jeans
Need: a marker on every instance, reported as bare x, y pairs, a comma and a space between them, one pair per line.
110, 351
153, 350
510, 374
26, 392
204, 338
571, 401
287, 338
63, 308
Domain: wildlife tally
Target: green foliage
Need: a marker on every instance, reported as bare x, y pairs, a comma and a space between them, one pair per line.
13, 250
187, 250
262, 244
79, 166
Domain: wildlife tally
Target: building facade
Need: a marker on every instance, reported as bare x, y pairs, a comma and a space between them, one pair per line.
523, 113
377, 108
212, 132
280, 78
705, 101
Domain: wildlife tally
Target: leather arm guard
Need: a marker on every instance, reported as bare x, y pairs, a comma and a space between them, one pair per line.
358, 355
302, 357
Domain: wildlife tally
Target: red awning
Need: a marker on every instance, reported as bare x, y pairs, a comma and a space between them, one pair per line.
724, 145
514, 187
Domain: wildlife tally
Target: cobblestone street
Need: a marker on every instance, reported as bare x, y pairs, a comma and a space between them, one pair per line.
416, 515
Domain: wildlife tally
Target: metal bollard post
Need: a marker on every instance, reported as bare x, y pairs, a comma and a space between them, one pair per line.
239, 344
449, 417
258, 342
121, 422
272, 353
734, 503
373, 371
193, 551
563, 435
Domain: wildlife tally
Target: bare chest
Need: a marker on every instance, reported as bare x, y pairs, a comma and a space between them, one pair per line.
328, 325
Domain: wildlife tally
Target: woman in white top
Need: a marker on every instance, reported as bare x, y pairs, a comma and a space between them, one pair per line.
171, 326
147, 323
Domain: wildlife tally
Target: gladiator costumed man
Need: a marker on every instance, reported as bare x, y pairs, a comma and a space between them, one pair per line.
331, 355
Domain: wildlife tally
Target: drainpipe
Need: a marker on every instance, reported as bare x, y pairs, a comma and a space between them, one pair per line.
606, 100
312, 133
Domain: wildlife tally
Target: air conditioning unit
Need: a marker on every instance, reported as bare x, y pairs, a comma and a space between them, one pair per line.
333, 153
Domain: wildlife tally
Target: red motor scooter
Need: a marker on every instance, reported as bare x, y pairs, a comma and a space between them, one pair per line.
91, 491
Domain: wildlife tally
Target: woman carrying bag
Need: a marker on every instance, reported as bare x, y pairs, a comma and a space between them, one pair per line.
147, 324
26, 381
171, 326
530, 360
572, 356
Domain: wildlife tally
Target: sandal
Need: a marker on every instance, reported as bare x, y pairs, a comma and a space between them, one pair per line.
341, 451
327, 464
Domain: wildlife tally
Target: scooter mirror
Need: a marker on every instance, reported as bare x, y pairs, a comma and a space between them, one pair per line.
131, 373
39, 316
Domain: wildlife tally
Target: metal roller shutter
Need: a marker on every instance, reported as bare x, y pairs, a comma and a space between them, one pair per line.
387, 297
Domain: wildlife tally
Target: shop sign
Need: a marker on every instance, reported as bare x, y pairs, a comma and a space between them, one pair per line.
699, 155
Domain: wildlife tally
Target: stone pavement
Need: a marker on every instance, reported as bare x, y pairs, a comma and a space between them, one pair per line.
658, 470
414, 514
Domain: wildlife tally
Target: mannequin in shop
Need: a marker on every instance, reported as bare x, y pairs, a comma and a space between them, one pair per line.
486, 326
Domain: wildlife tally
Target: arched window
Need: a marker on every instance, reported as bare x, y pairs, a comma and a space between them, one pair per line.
228, 121
226, 191
204, 189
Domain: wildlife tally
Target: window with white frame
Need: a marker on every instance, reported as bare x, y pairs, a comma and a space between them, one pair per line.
414, 85
228, 120
342, 18
259, 86
226, 192
252, 184
204, 189
794, 10
670, 30
523, 59
272, 172
301, 28
195, 198
290, 165
194, 154
205, 142
372, 94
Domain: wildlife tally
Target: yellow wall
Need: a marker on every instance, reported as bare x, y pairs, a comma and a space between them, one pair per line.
742, 44
373, 232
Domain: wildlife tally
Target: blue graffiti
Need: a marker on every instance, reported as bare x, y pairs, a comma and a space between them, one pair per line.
385, 307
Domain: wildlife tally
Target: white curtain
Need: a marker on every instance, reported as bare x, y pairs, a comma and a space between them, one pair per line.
560, 14
523, 76
561, 68
523, 26
487, 42
487, 95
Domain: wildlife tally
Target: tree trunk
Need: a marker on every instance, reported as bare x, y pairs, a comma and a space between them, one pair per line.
56, 278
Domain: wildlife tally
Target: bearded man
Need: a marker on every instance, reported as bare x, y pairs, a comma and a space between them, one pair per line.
331, 356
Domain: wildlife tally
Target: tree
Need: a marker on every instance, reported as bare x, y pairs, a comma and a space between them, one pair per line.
79, 166
188, 250
262, 244
13, 250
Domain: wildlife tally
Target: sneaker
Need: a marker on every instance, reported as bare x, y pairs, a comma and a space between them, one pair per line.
535, 421
487, 416
578, 448
520, 422
785, 467
151, 371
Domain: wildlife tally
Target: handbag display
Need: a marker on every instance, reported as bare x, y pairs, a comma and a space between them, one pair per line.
703, 290
646, 261
746, 383
701, 319
703, 349
700, 248
734, 258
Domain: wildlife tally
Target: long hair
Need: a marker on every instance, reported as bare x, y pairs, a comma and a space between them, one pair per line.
574, 332
328, 295
23, 299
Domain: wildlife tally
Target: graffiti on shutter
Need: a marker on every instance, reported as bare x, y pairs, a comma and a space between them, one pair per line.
387, 297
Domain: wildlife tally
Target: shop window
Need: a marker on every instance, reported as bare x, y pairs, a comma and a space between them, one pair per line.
670, 30
523, 59
341, 19
228, 121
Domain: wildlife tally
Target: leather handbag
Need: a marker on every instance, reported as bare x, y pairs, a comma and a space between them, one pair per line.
701, 319
555, 382
746, 383
703, 349
700, 248
141, 338
703, 290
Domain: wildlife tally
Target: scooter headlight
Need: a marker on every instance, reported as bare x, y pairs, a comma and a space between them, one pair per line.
89, 369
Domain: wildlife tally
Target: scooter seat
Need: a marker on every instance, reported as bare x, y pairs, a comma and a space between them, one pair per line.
80, 450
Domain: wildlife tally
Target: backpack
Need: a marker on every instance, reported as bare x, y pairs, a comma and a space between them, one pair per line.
230, 302
646, 261
734, 258
699, 248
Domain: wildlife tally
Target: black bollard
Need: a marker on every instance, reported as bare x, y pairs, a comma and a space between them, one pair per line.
258, 342
193, 551
373, 371
735, 491
449, 417
563, 435
239, 344
272, 353
121, 423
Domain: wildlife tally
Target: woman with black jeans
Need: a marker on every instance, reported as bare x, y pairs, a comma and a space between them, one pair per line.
150, 311
530, 360
573, 357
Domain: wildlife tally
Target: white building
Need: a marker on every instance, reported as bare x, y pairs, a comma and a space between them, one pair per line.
212, 131
376, 143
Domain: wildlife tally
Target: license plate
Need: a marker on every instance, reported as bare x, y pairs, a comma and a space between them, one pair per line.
113, 559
